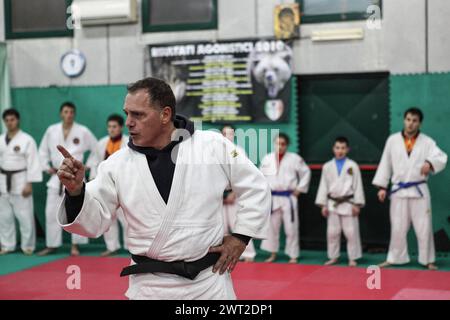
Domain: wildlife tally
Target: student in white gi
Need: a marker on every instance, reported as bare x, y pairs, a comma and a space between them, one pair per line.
230, 205
77, 139
341, 197
409, 157
288, 177
114, 141
19, 168
169, 183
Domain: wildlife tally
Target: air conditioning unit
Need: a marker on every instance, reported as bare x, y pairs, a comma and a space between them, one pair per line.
100, 12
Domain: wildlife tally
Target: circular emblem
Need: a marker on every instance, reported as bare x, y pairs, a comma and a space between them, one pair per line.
76, 140
16, 148
350, 171
73, 63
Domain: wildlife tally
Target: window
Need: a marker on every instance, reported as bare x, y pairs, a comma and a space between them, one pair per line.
178, 15
315, 11
37, 18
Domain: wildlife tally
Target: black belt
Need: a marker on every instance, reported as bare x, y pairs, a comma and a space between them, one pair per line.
184, 269
341, 200
9, 175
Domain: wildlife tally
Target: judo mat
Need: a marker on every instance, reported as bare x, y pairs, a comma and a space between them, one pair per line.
254, 281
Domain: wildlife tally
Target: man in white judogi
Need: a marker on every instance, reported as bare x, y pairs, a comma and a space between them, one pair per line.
408, 159
19, 168
288, 177
114, 141
169, 183
341, 197
230, 206
77, 139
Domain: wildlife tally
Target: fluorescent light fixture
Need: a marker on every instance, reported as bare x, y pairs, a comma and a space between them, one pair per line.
337, 34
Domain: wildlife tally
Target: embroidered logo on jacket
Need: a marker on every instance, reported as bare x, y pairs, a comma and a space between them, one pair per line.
234, 153
350, 171
76, 140
16, 149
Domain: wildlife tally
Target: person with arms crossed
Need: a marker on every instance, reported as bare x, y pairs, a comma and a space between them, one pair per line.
114, 141
77, 139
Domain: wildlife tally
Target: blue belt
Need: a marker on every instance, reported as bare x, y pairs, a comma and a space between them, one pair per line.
406, 185
286, 194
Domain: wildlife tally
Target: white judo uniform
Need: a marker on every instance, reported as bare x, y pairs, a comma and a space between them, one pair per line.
191, 221
344, 186
229, 217
20, 155
79, 141
111, 236
289, 175
413, 204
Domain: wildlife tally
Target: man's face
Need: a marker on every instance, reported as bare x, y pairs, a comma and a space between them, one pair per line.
114, 129
11, 123
411, 123
67, 115
287, 23
280, 145
340, 150
228, 133
143, 119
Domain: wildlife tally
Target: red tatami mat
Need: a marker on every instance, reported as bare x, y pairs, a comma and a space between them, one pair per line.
100, 280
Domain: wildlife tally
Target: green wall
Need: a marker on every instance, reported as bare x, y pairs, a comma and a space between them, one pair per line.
40, 108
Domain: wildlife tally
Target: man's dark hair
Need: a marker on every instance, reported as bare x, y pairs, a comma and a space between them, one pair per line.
68, 104
227, 125
342, 139
117, 118
286, 12
414, 111
11, 112
284, 136
158, 91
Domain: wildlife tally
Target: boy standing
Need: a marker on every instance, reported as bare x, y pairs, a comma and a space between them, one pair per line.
341, 197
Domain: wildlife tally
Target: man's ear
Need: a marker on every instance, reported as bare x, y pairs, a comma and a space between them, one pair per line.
166, 115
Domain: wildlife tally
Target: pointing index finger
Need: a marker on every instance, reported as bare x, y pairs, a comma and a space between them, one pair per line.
64, 152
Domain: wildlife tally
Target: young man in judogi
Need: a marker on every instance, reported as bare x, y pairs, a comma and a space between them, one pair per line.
230, 206
341, 197
114, 141
77, 139
409, 157
19, 168
169, 183
288, 177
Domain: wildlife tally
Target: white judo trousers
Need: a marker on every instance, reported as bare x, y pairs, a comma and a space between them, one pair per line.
291, 174
409, 205
79, 140
403, 213
53, 231
184, 228
229, 217
19, 154
111, 236
340, 219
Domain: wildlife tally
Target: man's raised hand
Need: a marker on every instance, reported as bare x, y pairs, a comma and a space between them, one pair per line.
71, 172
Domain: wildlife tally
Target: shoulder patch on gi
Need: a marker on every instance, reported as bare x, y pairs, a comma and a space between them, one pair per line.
16, 149
76, 140
234, 153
